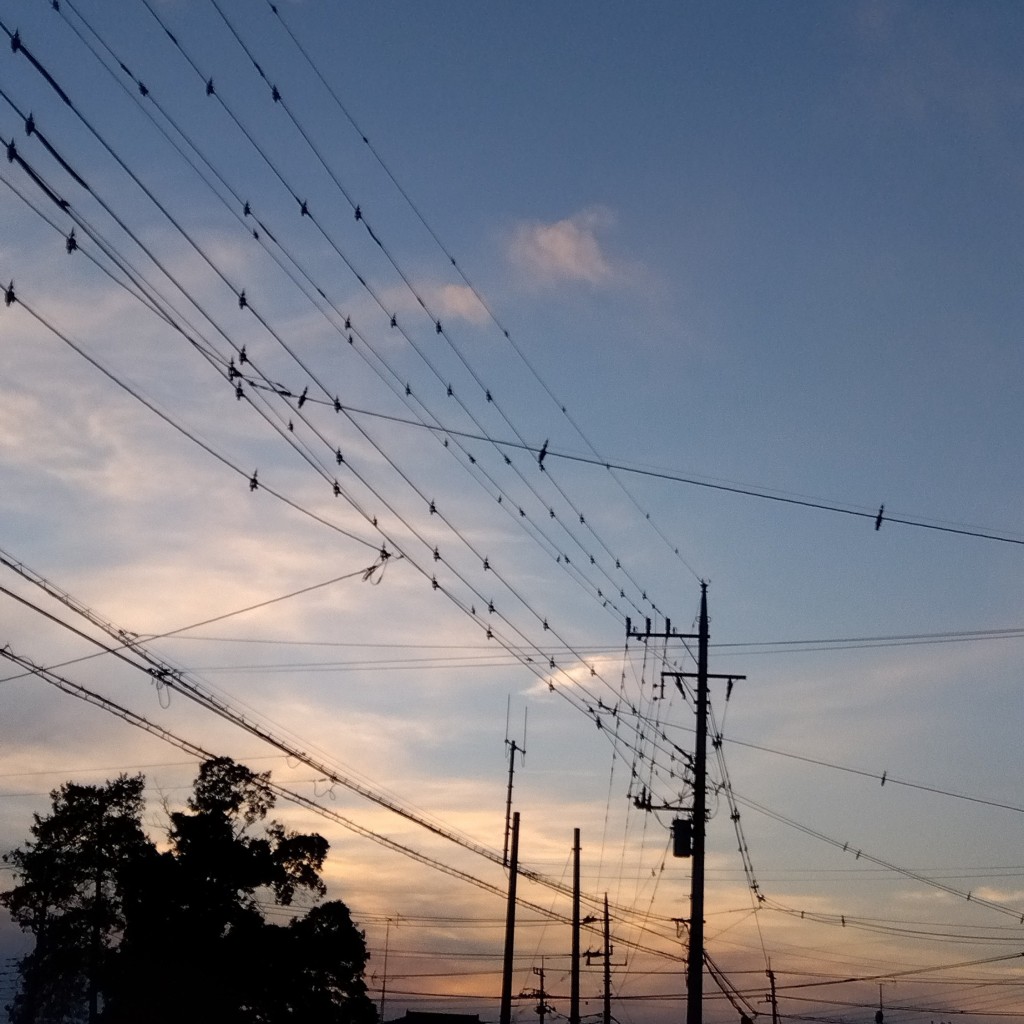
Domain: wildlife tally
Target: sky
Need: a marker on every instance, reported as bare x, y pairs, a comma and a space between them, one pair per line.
400, 353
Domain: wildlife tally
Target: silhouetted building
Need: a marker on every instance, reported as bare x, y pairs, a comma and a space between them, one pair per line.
425, 1017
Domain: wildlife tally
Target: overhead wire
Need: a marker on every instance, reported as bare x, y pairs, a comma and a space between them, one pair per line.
131, 650
360, 217
884, 777
485, 305
224, 367
861, 642
738, 489
184, 431
553, 456
278, 390
278, 338
756, 896
195, 750
859, 853
598, 460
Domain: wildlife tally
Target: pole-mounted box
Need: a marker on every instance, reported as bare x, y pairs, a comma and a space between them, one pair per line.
682, 837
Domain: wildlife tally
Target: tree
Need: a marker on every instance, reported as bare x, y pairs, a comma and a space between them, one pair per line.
181, 932
320, 961
71, 896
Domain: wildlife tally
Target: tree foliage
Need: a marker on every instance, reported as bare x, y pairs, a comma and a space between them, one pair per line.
125, 932
72, 898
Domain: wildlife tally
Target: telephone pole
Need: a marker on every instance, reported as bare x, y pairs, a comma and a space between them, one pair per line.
774, 996
695, 954
542, 1005
605, 953
574, 976
505, 1016
698, 824
607, 1018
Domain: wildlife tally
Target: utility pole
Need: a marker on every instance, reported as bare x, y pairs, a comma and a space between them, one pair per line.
774, 997
607, 964
698, 825
510, 926
384, 981
512, 748
574, 988
606, 953
695, 954
542, 996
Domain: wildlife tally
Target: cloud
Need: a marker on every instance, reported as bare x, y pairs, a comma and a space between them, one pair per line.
566, 250
459, 301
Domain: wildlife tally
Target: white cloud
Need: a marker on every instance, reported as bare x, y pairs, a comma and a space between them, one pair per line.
566, 250
443, 301
461, 302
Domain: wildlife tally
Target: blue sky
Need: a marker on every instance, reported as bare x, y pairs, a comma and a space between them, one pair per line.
772, 247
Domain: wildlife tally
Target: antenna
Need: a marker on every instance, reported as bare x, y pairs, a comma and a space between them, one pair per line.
511, 746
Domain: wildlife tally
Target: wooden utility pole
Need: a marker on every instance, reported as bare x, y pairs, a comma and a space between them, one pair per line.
695, 954
384, 980
508, 798
605, 952
574, 989
510, 926
512, 748
607, 964
695, 950
774, 996
542, 996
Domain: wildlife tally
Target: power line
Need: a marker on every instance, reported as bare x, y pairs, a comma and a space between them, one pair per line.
285, 393
694, 481
132, 718
883, 777
451, 260
132, 651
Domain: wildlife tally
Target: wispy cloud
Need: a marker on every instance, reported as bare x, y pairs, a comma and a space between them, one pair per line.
459, 301
564, 250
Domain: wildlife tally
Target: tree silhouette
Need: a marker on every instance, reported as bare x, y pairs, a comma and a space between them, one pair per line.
125, 932
71, 896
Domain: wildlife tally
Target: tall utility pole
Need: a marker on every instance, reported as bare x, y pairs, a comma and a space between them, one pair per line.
607, 964
384, 981
774, 996
695, 951
510, 927
695, 954
574, 988
542, 1005
605, 953
512, 748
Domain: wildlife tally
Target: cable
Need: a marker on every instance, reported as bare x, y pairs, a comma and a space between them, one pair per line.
466, 281
181, 681
884, 778
277, 389
859, 854
693, 481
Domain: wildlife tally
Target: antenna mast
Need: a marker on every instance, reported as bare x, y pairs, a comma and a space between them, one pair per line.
511, 746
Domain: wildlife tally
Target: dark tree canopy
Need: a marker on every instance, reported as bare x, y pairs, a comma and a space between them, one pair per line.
71, 896
124, 932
